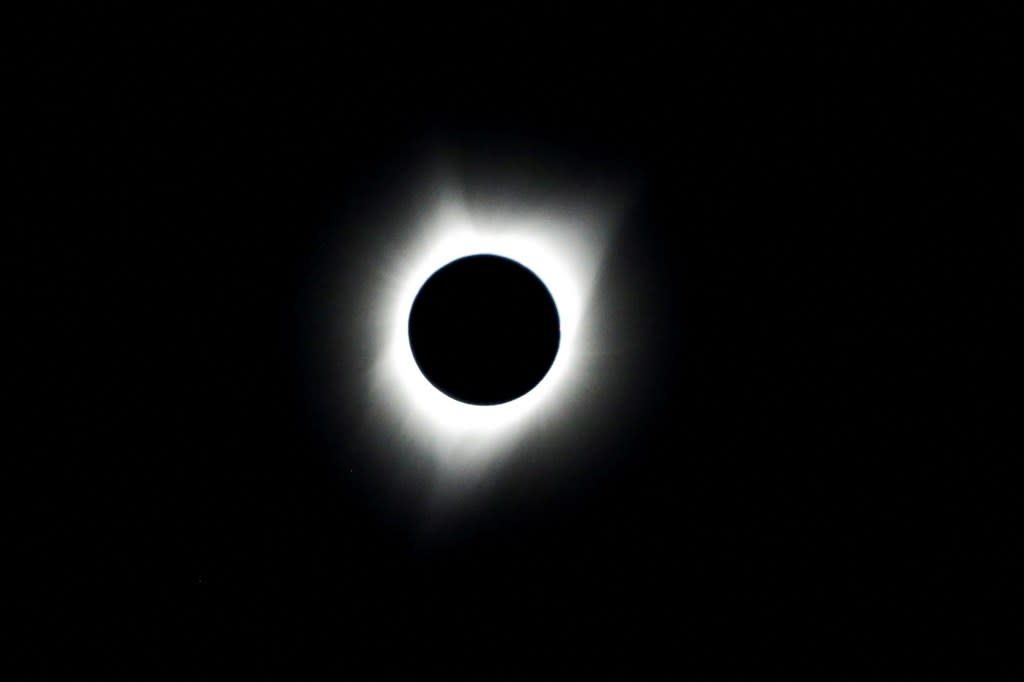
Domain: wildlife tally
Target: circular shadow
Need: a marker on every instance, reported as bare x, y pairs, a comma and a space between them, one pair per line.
484, 330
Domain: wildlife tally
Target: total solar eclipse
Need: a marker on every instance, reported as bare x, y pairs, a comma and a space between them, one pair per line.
484, 330
471, 320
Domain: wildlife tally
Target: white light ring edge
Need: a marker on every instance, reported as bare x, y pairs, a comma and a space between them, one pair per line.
563, 254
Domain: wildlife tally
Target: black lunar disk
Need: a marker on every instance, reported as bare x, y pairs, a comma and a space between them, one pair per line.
484, 330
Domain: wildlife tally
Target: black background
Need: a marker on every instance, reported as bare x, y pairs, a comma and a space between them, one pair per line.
816, 479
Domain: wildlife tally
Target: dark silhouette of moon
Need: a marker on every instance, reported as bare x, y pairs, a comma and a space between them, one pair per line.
484, 330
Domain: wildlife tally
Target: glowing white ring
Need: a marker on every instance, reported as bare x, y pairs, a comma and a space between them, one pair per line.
563, 253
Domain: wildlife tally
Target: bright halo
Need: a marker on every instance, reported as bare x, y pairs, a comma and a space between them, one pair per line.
561, 250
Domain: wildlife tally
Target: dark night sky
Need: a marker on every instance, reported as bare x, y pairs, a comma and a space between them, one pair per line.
812, 480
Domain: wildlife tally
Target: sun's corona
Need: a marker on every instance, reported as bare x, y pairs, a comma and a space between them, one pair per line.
560, 251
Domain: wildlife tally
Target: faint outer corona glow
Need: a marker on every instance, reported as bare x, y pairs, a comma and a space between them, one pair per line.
560, 248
